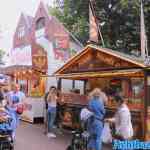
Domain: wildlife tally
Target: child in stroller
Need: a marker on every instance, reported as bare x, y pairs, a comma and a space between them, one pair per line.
79, 140
6, 119
80, 137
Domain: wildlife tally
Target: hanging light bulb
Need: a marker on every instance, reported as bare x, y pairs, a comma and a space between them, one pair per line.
30, 71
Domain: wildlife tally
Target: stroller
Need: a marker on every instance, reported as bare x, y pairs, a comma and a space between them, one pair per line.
6, 140
79, 140
81, 137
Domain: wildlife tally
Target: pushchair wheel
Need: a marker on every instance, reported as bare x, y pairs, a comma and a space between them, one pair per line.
12, 147
69, 148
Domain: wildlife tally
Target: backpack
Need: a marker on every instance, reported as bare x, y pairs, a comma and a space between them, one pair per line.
20, 109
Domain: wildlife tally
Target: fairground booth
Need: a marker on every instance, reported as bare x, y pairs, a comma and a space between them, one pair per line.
32, 84
113, 72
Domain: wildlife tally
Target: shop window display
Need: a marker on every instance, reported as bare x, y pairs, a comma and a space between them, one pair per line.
137, 93
131, 89
37, 87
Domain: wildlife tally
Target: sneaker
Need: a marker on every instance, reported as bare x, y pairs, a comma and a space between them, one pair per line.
51, 135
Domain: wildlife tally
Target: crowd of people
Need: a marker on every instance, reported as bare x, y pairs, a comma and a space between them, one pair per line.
95, 117
121, 119
11, 105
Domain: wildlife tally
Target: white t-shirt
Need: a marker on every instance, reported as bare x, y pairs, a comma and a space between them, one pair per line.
52, 104
123, 122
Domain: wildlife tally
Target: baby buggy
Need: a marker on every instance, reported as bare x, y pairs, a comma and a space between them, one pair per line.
81, 137
6, 140
79, 140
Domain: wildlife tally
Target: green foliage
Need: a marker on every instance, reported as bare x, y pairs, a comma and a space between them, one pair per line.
120, 19
74, 18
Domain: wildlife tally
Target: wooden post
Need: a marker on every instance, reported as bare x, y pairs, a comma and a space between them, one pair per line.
85, 84
59, 84
73, 84
146, 121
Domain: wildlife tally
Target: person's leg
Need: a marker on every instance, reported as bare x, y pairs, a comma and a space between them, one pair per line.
13, 123
91, 143
48, 121
98, 141
52, 118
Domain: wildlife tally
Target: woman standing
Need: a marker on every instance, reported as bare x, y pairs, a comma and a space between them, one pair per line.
122, 120
51, 113
95, 123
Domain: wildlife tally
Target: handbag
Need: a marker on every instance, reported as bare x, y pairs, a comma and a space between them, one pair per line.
20, 109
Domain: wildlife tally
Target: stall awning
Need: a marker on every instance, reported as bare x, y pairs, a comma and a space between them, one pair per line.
10, 70
86, 75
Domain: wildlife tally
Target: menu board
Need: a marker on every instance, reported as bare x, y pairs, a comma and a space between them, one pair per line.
73, 98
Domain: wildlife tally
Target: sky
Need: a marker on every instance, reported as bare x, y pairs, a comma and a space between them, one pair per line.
10, 11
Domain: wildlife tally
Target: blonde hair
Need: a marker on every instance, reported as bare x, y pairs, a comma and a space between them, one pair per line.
95, 93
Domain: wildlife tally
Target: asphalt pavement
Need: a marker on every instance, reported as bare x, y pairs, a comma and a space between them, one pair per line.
32, 137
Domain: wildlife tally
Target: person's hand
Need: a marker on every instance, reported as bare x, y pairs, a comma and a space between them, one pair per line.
108, 120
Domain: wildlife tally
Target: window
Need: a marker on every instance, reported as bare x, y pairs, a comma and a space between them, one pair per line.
40, 23
21, 32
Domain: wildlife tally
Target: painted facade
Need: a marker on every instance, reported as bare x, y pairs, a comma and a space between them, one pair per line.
42, 42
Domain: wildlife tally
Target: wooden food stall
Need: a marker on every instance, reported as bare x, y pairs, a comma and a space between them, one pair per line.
113, 72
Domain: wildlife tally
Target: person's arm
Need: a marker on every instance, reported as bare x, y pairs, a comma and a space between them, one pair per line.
110, 120
105, 98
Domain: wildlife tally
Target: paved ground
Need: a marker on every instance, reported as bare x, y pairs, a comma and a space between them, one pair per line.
31, 137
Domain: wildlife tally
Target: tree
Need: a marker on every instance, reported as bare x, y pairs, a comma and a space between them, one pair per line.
119, 21
74, 18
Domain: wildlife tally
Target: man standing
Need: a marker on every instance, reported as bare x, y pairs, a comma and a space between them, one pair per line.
15, 99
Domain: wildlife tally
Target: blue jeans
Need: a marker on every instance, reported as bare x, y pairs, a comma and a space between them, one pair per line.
51, 115
95, 129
